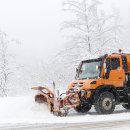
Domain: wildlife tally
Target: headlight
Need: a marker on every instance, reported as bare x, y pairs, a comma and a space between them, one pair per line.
78, 84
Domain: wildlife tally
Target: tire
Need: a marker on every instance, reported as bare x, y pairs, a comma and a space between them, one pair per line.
105, 103
126, 106
84, 108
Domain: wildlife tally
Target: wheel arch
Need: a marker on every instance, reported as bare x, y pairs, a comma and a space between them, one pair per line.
109, 88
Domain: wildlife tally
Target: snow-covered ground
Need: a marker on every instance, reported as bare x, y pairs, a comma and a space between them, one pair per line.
25, 110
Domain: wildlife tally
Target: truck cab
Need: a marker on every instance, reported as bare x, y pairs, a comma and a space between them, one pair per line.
103, 82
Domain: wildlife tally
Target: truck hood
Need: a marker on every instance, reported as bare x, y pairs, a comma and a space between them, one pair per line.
85, 84
83, 81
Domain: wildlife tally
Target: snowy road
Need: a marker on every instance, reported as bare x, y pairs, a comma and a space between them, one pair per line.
22, 113
113, 125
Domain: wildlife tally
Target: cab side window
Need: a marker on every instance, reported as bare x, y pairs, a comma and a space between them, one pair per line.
115, 63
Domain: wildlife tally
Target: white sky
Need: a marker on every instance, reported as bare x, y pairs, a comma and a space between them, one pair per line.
36, 24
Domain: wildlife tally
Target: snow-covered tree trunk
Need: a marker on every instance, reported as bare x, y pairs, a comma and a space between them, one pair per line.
7, 66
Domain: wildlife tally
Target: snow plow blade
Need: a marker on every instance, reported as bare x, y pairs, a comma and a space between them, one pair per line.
44, 95
60, 105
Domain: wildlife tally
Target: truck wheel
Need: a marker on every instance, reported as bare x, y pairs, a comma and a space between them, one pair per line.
105, 103
126, 106
83, 108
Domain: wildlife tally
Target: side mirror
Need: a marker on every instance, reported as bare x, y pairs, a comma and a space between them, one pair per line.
77, 70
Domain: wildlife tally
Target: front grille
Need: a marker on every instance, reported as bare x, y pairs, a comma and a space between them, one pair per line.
78, 84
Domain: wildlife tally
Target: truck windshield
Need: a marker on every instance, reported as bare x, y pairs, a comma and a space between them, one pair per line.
89, 69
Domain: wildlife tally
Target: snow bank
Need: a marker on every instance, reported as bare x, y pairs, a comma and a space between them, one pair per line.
25, 110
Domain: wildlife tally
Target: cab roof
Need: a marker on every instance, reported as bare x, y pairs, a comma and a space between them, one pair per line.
106, 55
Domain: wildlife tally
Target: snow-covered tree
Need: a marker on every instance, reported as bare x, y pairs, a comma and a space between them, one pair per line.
7, 63
90, 30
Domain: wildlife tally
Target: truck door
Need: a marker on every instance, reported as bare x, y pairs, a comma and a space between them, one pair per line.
117, 74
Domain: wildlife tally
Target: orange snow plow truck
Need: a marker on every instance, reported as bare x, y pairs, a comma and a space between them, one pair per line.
103, 82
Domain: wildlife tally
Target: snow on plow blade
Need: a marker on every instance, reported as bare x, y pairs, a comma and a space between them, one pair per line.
60, 105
